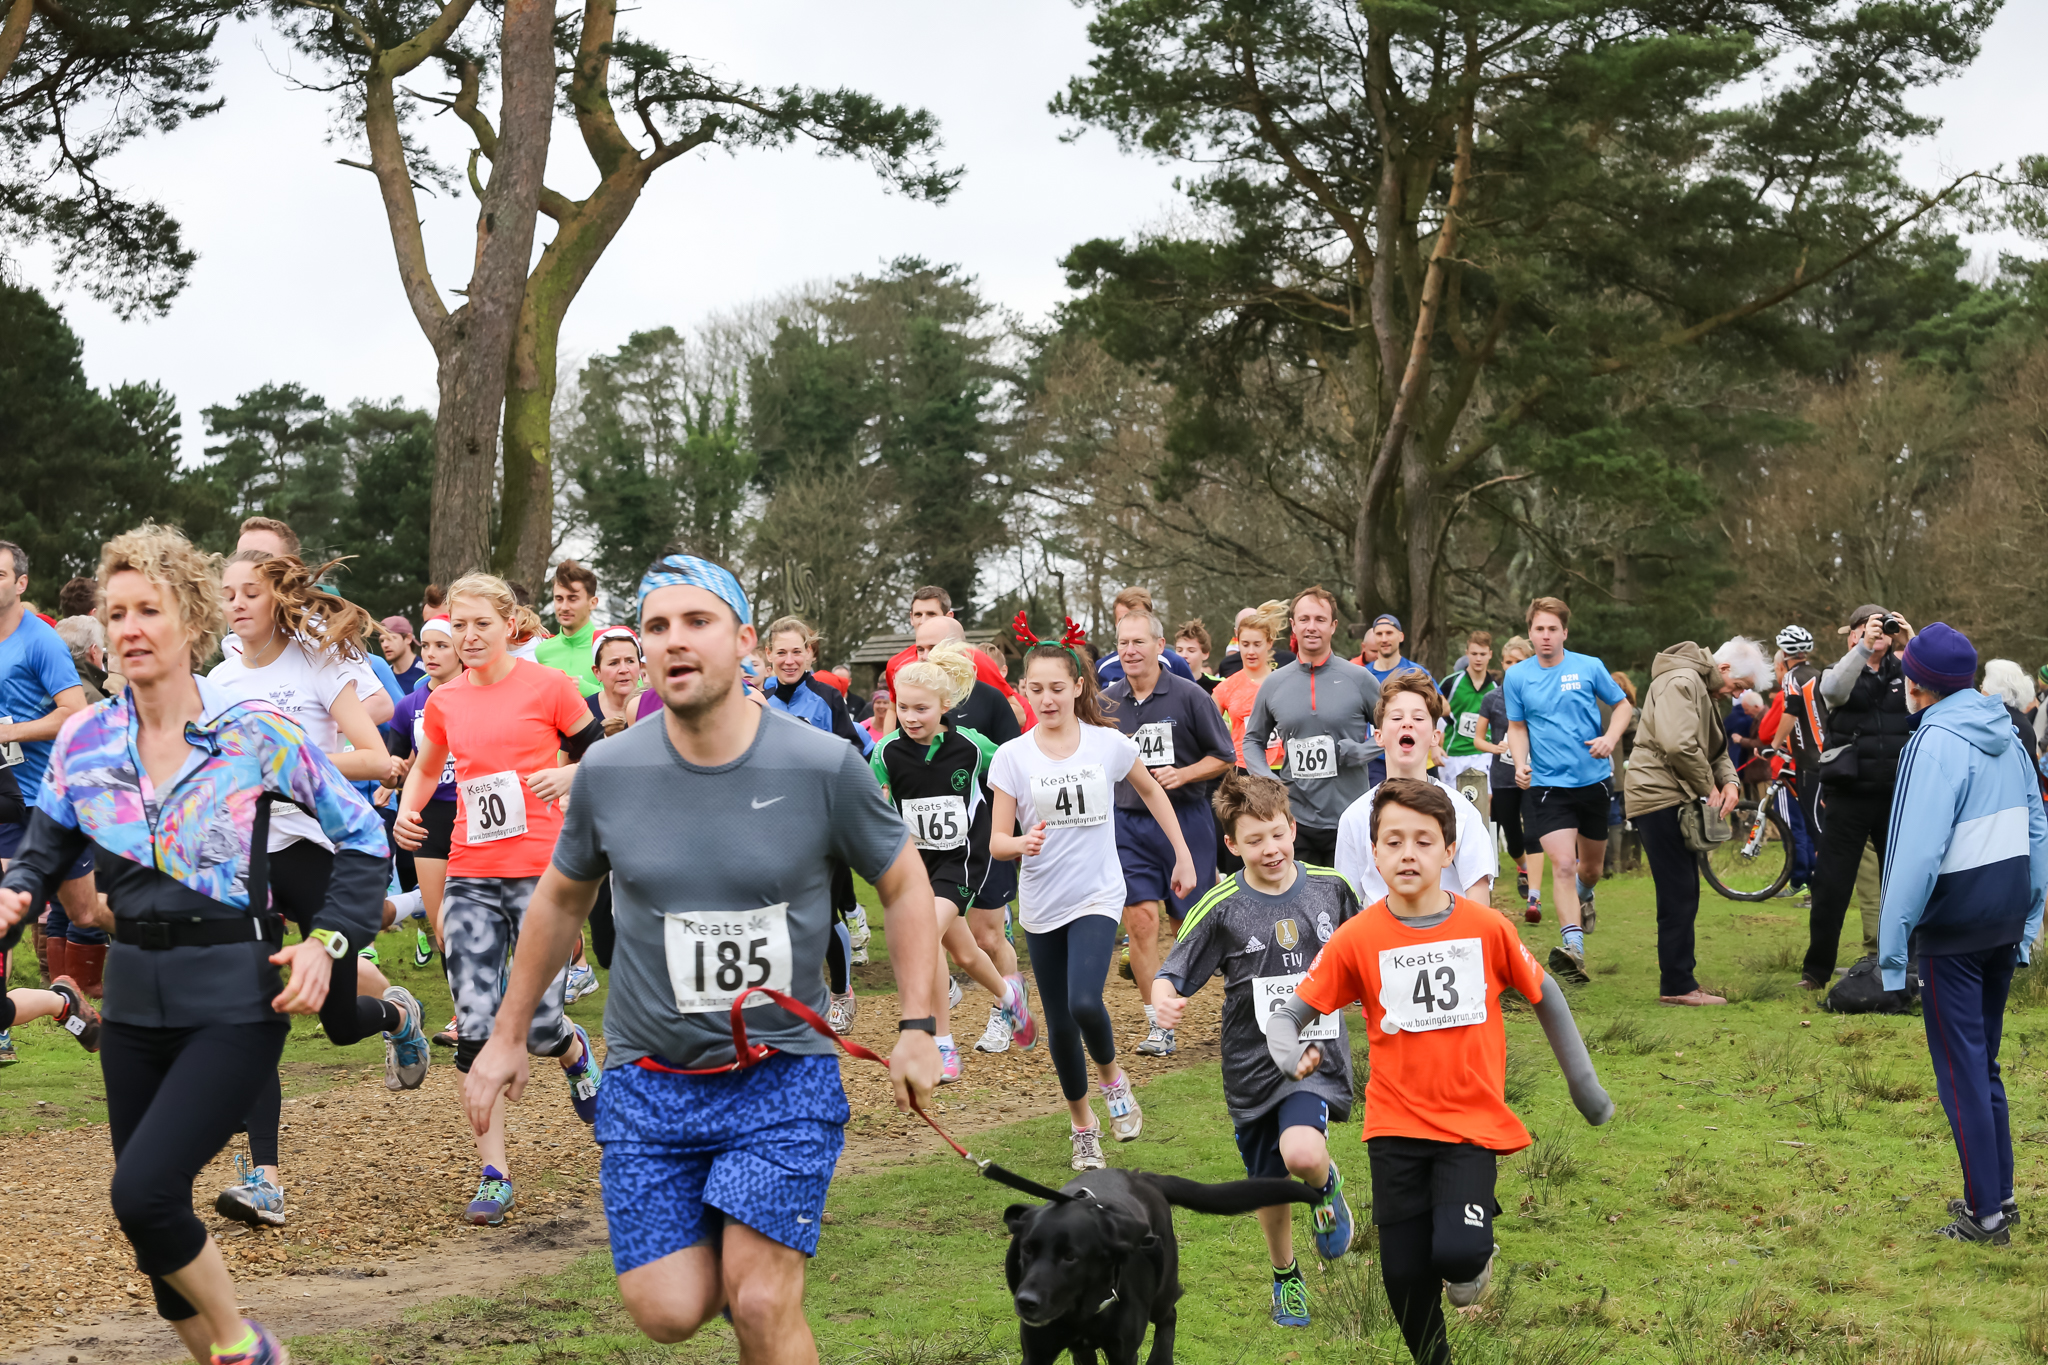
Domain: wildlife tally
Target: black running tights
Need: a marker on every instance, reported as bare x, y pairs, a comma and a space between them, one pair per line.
174, 1099
1416, 1256
1071, 964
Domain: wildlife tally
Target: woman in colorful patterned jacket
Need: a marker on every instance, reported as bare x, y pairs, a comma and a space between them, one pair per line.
172, 781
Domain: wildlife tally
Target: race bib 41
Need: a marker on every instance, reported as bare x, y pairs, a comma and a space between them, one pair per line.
1078, 796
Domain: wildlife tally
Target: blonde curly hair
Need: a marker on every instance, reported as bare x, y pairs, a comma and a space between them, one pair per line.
947, 672
187, 573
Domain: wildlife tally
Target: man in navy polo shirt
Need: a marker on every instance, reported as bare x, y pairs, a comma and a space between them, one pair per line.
1181, 736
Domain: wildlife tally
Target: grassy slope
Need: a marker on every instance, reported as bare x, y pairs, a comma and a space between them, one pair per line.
1691, 1230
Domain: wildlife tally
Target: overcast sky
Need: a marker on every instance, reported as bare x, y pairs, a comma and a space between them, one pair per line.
296, 279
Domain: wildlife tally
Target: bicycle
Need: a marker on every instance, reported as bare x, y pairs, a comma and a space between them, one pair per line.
1756, 862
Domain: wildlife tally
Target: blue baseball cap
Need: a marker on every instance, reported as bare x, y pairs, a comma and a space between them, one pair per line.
1390, 618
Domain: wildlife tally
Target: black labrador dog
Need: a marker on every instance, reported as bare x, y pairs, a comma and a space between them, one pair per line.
1088, 1272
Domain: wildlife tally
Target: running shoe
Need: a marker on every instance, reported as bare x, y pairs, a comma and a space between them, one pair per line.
1568, 964
996, 1037
1088, 1150
1290, 1300
253, 1198
369, 954
79, 1019
264, 1349
1126, 1119
1158, 1043
858, 931
1968, 1229
839, 1014
1522, 884
8, 1056
1589, 918
2010, 1208
1533, 911
1331, 1215
446, 1037
953, 992
582, 981
1023, 1028
493, 1197
1466, 1294
584, 1079
406, 1053
422, 948
949, 1064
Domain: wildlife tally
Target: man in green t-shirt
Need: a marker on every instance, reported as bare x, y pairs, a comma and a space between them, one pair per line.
1463, 689
569, 652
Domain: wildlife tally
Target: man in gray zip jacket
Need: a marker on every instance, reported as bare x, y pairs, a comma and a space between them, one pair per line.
1320, 708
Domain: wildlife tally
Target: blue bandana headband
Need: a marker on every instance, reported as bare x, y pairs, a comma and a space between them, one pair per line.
688, 571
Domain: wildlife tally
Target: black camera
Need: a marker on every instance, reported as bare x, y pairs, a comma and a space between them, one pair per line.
1892, 625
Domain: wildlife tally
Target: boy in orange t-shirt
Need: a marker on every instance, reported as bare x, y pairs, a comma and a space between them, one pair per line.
1429, 968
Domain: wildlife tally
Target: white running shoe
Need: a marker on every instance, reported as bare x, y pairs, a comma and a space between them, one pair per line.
582, 981
949, 1064
858, 931
996, 1037
1466, 1294
841, 1012
1126, 1119
1158, 1043
953, 992
1088, 1149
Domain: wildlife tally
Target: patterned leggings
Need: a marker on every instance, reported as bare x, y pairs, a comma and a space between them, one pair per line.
480, 924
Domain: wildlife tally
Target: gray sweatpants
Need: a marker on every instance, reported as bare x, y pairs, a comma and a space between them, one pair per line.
480, 925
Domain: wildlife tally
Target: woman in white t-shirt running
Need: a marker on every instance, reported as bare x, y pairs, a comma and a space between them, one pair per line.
1056, 782
296, 648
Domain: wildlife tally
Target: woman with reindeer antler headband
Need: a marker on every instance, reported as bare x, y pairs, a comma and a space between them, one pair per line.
1056, 784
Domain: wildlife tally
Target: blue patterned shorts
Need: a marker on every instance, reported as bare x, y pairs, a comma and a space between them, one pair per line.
755, 1146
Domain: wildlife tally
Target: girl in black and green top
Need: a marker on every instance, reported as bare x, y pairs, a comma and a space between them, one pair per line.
937, 775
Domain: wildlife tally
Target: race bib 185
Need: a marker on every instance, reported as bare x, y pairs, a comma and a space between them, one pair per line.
937, 822
1269, 991
1433, 986
1311, 758
713, 955
495, 806
1078, 796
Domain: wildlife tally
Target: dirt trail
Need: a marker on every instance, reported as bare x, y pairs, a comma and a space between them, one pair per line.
377, 1184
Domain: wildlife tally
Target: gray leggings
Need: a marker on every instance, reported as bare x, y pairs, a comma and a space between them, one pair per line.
480, 925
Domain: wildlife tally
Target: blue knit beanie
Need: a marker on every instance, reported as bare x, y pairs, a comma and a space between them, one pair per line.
1941, 659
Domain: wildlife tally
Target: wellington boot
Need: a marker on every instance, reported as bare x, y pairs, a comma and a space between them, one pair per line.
88, 962
58, 957
43, 954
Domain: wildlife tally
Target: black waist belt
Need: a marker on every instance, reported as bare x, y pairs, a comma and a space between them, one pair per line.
158, 935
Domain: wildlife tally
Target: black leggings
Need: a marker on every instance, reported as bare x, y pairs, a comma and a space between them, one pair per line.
298, 885
1416, 1256
1506, 806
206, 1077
1072, 963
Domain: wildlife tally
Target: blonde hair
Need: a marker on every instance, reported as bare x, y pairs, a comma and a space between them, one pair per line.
320, 621
784, 624
1517, 644
1269, 619
947, 672
190, 575
488, 588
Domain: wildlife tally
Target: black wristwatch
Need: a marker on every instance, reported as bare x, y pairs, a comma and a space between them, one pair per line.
928, 1024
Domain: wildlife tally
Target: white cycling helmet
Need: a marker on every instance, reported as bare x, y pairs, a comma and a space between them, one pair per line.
1796, 640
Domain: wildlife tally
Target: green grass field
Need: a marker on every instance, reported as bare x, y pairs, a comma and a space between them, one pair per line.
1765, 1192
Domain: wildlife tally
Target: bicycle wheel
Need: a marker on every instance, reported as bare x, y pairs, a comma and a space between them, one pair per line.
1741, 874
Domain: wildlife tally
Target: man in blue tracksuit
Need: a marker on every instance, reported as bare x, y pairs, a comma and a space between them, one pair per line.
1966, 866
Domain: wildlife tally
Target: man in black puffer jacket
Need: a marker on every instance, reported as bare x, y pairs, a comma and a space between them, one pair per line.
1868, 726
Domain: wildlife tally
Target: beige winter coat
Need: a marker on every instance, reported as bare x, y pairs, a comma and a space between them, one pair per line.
1681, 753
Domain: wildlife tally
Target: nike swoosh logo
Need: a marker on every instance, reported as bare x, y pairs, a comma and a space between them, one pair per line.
759, 804
802, 1219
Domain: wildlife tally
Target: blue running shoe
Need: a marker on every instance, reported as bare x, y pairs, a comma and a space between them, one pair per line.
252, 1199
493, 1197
584, 1079
405, 1052
259, 1347
1290, 1299
8, 1056
1332, 1217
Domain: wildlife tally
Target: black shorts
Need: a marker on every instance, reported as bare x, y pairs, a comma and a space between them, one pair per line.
1258, 1142
998, 888
439, 818
1411, 1176
1546, 810
946, 870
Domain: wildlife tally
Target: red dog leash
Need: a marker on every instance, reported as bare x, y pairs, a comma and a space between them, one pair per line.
747, 1054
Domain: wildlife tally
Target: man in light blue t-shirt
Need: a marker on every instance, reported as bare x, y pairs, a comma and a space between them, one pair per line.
1564, 758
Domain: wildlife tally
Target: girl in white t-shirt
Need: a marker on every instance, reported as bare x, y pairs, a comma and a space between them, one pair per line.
299, 651
1056, 781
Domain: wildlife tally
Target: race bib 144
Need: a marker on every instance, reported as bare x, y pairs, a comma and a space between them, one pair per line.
1155, 744
1432, 986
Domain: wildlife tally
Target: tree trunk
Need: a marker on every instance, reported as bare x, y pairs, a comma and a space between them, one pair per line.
13, 33
477, 338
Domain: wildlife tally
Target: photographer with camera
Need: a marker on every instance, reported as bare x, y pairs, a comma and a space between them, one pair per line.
1867, 729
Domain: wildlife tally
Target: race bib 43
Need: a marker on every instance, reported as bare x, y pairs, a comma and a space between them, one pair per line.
1433, 986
